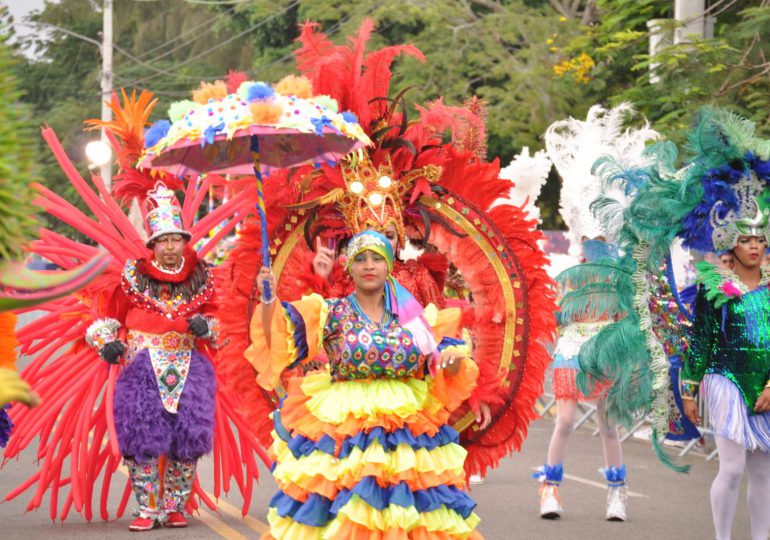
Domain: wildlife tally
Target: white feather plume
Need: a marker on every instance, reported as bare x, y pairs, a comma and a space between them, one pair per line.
527, 174
574, 146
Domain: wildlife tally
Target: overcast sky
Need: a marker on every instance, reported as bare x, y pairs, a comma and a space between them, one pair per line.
19, 8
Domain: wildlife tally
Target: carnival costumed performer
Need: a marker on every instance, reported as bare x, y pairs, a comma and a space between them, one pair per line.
161, 402
362, 448
164, 398
574, 146
443, 193
729, 356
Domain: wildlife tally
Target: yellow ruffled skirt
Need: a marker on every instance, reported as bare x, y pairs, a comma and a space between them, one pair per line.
371, 459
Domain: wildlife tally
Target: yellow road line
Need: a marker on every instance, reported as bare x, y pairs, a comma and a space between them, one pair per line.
233, 511
214, 523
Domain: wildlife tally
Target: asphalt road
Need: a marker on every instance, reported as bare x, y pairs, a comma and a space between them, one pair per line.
663, 505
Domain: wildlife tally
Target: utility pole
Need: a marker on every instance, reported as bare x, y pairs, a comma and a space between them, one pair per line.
106, 169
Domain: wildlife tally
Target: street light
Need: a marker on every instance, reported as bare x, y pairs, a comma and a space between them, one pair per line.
98, 153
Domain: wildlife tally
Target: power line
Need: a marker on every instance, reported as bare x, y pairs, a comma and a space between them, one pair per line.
183, 34
225, 42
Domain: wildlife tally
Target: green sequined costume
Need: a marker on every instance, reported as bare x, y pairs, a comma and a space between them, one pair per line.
740, 353
730, 353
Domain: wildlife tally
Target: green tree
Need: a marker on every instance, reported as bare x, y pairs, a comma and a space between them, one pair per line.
729, 70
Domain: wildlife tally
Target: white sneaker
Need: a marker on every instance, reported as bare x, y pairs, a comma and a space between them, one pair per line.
476, 479
550, 505
616, 503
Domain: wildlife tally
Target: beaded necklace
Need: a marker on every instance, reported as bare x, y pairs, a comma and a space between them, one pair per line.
172, 271
386, 318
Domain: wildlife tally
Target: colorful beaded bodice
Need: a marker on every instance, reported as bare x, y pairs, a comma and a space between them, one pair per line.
360, 349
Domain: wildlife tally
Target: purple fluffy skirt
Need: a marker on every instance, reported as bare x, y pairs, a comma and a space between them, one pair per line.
6, 426
729, 415
146, 429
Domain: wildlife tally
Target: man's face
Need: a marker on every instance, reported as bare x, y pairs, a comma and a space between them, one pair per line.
168, 249
727, 260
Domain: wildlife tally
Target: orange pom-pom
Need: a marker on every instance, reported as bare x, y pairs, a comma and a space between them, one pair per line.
265, 113
8, 341
292, 85
217, 90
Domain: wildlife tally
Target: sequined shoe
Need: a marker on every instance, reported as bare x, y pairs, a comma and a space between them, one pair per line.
616, 503
142, 524
550, 502
176, 520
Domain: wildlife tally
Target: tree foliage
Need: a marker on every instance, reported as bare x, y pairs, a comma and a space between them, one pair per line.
730, 69
532, 61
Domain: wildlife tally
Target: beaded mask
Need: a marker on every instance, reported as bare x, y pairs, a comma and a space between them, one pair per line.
164, 214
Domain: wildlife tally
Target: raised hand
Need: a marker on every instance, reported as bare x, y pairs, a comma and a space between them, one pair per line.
323, 261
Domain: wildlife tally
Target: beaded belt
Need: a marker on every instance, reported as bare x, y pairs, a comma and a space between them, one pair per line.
170, 355
170, 341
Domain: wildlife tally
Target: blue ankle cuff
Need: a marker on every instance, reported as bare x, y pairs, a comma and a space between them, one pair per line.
615, 476
552, 474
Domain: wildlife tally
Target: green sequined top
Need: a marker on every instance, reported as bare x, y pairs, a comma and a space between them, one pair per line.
734, 339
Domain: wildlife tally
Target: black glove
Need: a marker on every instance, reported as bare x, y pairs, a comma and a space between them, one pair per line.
198, 326
112, 351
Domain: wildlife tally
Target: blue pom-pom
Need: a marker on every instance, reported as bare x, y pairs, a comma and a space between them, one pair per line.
615, 475
552, 474
259, 92
158, 130
349, 117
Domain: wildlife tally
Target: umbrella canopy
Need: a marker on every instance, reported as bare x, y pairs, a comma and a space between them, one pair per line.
216, 136
256, 129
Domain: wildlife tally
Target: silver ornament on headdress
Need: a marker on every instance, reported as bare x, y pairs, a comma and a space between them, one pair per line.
751, 218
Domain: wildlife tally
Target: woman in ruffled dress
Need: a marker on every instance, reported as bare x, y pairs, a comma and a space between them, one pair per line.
363, 448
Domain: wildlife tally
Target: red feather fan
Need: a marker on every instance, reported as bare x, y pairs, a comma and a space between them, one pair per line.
360, 82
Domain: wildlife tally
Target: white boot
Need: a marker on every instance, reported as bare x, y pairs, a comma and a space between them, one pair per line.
550, 502
616, 503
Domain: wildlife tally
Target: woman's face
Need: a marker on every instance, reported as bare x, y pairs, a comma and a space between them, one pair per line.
391, 234
750, 250
369, 271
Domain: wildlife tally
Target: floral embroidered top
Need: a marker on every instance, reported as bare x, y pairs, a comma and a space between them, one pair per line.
358, 348
731, 331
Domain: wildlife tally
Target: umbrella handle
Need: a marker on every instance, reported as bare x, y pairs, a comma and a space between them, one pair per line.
267, 295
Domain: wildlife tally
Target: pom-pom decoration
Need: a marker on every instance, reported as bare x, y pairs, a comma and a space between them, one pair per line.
292, 85
265, 113
209, 91
158, 130
179, 109
259, 91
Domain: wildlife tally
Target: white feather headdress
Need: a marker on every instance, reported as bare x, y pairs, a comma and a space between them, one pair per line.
574, 146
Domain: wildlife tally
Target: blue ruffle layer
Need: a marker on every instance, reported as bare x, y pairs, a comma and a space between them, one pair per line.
317, 511
303, 446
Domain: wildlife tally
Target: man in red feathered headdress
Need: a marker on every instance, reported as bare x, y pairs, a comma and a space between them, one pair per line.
164, 397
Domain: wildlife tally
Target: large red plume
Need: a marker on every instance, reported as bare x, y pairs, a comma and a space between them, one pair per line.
126, 135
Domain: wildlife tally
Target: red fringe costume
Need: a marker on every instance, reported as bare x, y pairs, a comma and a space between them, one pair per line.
75, 423
494, 249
